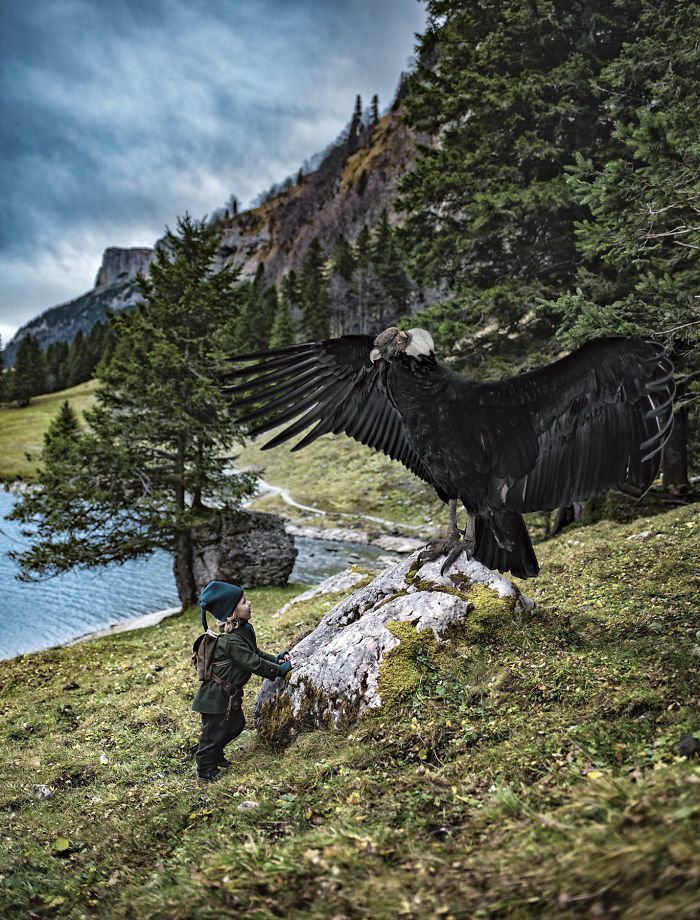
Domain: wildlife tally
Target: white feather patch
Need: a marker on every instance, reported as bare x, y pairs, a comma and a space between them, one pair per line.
420, 343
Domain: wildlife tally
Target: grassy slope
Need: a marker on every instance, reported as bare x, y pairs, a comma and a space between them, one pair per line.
362, 481
531, 775
22, 430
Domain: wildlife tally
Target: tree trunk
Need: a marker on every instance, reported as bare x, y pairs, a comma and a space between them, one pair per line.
675, 463
182, 568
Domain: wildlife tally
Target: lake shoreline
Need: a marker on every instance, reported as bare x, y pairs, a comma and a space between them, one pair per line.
138, 622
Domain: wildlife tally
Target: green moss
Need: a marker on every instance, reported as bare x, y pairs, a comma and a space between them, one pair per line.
489, 614
402, 667
275, 720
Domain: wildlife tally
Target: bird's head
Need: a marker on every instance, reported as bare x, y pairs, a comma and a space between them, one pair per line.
393, 342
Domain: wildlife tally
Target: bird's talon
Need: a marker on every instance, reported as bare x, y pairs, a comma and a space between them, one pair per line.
459, 547
451, 547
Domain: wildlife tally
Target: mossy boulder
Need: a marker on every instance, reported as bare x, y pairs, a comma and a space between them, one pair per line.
363, 653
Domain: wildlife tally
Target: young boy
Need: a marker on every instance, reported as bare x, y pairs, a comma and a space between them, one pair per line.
236, 657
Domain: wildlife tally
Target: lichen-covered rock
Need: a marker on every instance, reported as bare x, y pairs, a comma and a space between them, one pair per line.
334, 584
356, 657
247, 548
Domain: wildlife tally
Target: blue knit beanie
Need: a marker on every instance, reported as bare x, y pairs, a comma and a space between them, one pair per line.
221, 599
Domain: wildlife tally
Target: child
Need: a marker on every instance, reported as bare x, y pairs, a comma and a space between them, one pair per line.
236, 657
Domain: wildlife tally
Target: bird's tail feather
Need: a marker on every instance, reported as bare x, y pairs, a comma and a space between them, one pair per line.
503, 543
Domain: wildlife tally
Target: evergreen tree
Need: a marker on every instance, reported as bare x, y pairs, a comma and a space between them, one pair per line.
366, 295
389, 267
158, 441
29, 376
313, 289
374, 116
510, 89
77, 364
282, 328
640, 245
355, 125
56, 365
258, 311
342, 267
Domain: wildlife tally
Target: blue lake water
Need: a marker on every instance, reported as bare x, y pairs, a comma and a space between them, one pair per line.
39, 615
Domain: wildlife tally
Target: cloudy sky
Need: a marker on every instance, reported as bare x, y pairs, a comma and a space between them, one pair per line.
116, 116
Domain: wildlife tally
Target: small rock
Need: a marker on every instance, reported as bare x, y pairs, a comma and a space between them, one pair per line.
71, 686
42, 792
247, 805
688, 746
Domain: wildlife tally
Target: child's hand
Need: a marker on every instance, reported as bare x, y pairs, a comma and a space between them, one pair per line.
286, 666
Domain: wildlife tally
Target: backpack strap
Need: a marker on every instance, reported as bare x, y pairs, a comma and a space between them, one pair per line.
235, 695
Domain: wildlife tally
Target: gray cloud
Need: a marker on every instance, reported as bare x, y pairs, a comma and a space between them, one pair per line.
119, 116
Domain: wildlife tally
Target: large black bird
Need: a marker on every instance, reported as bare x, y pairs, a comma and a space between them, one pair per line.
594, 420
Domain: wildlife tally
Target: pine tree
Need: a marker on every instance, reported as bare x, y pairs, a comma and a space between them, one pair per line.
640, 246
342, 268
313, 289
355, 125
510, 89
282, 328
56, 365
374, 115
29, 376
389, 267
158, 442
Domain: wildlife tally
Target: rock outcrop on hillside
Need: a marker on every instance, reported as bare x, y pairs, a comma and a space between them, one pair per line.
122, 265
115, 289
348, 191
248, 548
363, 652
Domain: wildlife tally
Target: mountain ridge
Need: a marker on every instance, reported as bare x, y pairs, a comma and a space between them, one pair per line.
353, 184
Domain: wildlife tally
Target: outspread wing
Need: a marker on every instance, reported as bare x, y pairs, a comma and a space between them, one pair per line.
331, 385
595, 420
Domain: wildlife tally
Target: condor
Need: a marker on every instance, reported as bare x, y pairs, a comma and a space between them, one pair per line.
594, 420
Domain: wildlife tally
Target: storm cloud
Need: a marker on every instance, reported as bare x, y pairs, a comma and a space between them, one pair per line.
119, 116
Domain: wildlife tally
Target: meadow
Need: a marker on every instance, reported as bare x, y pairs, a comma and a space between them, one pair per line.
533, 773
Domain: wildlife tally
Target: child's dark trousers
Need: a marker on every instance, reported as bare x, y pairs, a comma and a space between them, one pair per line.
217, 732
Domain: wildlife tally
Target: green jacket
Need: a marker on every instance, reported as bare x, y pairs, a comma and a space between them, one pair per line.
237, 656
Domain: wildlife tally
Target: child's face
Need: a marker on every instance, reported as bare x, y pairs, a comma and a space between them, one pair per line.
243, 609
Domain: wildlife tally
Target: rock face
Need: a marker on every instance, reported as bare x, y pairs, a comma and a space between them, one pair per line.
246, 548
352, 662
121, 265
116, 289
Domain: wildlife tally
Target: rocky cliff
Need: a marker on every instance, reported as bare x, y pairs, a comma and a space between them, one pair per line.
115, 289
349, 190
122, 265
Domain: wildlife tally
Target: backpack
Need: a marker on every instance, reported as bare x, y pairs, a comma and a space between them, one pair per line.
203, 652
